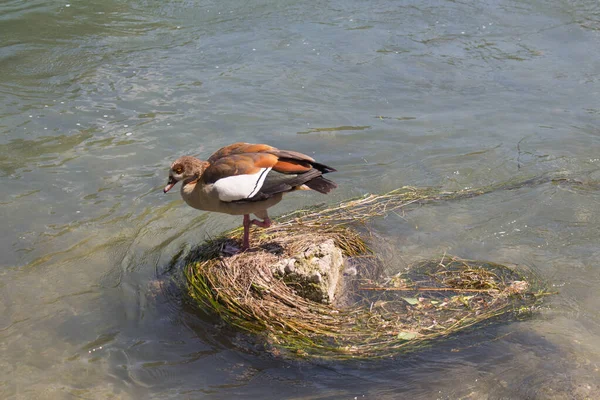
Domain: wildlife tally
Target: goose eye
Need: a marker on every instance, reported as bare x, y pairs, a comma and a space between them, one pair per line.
178, 170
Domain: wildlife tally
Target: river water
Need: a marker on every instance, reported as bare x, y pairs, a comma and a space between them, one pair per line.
97, 98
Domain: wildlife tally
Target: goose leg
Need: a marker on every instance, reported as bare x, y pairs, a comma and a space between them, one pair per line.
246, 241
263, 224
266, 221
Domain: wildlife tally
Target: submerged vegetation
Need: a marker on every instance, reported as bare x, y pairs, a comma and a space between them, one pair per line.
379, 316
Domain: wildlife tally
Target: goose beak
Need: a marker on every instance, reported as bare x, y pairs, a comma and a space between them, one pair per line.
170, 184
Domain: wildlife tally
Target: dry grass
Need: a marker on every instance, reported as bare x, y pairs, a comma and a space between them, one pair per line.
432, 300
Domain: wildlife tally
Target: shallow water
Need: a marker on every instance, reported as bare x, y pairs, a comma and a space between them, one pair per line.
97, 99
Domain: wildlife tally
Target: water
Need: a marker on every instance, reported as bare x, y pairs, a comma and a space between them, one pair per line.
98, 99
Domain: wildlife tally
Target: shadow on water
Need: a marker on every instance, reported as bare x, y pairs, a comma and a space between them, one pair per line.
417, 373
181, 350
253, 370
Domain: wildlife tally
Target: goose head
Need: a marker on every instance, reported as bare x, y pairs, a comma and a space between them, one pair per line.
185, 169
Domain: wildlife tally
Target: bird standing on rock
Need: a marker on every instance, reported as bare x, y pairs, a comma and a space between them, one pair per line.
244, 179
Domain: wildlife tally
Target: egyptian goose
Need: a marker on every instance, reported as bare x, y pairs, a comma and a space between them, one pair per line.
244, 179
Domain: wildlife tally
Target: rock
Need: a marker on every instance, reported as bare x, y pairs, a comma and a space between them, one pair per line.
316, 278
350, 271
284, 266
314, 273
290, 266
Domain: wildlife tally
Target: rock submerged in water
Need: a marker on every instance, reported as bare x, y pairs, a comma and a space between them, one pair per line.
315, 273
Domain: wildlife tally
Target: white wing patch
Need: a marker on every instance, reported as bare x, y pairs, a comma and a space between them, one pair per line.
239, 187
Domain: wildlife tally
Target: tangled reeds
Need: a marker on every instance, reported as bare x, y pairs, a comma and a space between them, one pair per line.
431, 300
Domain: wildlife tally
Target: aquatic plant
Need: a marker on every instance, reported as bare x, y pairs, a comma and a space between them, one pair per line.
379, 317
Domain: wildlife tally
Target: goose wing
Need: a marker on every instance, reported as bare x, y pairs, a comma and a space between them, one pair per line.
246, 172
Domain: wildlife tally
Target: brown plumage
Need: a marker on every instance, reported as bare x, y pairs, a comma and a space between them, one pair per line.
244, 179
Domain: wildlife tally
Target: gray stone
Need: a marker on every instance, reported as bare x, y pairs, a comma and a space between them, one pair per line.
316, 277
290, 266
314, 273
350, 271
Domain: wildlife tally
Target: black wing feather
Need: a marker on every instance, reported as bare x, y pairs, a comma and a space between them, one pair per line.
276, 182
